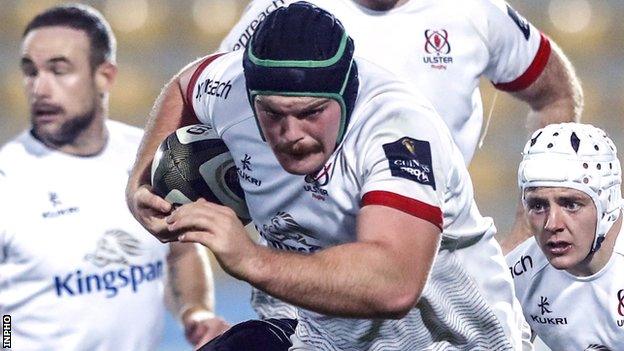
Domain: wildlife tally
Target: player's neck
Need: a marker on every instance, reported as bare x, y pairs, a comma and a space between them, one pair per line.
594, 263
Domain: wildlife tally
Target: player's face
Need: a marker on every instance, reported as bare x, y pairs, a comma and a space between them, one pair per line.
563, 221
59, 82
301, 131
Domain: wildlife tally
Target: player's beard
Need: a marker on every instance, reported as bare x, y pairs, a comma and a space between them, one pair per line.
68, 131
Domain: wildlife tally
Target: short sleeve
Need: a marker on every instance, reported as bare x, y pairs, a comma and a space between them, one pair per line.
404, 164
216, 91
518, 50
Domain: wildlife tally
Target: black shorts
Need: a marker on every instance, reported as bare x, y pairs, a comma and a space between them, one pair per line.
255, 335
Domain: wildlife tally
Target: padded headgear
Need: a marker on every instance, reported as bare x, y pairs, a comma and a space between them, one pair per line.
577, 156
302, 50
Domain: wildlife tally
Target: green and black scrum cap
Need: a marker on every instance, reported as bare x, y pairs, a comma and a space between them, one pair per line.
302, 50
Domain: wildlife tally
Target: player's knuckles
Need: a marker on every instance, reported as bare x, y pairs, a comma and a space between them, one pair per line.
199, 237
190, 222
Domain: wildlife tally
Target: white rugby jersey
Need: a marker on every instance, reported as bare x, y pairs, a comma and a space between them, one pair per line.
440, 46
77, 271
396, 152
569, 312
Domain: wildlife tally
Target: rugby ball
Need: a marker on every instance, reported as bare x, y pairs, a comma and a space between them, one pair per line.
192, 163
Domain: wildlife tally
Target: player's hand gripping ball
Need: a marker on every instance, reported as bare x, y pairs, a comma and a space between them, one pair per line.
194, 162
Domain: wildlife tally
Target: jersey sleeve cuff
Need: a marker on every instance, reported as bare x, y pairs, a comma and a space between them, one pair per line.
533, 72
193, 81
405, 204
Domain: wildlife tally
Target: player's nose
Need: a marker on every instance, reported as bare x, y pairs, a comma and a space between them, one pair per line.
290, 128
554, 220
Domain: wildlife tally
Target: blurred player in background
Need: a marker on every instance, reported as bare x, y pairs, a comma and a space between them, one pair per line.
570, 276
77, 272
443, 47
365, 201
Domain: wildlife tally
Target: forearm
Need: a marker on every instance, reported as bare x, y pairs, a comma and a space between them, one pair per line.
556, 96
191, 285
168, 114
358, 280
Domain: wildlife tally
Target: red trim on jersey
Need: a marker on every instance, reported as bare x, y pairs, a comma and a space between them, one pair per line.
535, 69
194, 77
408, 205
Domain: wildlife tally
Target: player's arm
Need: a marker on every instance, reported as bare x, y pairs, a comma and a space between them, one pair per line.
190, 290
169, 113
526, 63
556, 95
381, 275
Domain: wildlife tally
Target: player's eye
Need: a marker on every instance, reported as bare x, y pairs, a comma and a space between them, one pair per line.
271, 114
29, 70
311, 113
60, 69
572, 206
536, 205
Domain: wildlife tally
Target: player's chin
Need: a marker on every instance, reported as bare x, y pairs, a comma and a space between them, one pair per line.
46, 130
562, 262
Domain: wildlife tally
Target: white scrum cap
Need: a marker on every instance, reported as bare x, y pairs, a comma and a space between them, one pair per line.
577, 156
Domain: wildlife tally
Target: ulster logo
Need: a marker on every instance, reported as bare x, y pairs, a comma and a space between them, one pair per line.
437, 42
320, 178
438, 47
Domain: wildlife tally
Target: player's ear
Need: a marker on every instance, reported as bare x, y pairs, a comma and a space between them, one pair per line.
105, 75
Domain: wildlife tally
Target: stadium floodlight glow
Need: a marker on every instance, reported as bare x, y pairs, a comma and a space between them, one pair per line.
127, 16
215, 16
571, 16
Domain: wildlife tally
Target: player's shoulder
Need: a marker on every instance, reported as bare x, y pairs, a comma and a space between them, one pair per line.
121, 132
378, 83
478, 7
213, 76
17, 151
217, 91
467, 8
526, 260
618, 249
386, 100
